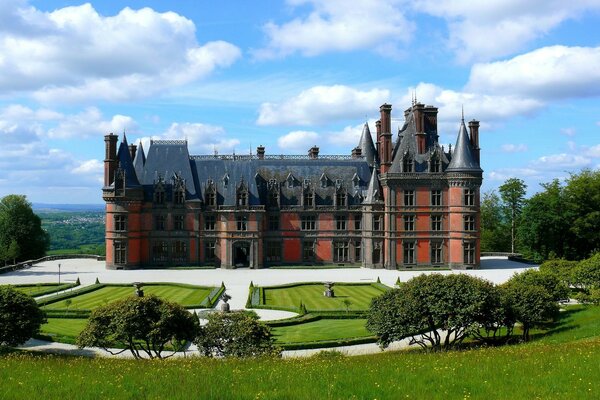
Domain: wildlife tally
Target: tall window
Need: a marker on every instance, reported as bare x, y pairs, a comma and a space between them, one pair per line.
340, 222
357, 222
242, 198
436, 222
120, 222
469, 222
159, 195
340, 251
469, 252
409, 252
435, 165
273, 251
160, 222
242, 223
409, 197
308, 223
179, 196
211, 198
120, 252
179, 251
436, 252
408, 165
273, 222
178, 222
340, 198
308, 251
377, 223
210, 222
273, 198
409, 222
436, 197
469, 197
308, 198
160, 251
357, 251
209, 251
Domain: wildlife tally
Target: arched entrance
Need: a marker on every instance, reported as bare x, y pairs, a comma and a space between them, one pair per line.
241, 254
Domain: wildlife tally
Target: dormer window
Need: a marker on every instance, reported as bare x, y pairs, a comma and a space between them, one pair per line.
355, 181
340, 198
408, 164
159, 192
210, 196
435, 165
178, 190
226, 181
290, 181
308, 198
242, 195
323, 181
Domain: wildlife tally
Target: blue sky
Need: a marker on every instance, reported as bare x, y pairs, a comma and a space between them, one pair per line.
229, 76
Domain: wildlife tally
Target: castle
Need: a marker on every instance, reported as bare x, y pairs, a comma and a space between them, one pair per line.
399, 203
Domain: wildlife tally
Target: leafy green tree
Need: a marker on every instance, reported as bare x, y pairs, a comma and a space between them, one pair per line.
549, 281
13, 251
495, 232
235, 334
562, 268
587, 273
582, 197
142, 325
18, 223
512, 193
435, 311
20, 317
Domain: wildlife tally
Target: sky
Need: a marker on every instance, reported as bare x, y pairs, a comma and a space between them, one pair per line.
231, 75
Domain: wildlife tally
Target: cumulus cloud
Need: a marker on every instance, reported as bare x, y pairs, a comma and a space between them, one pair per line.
298, 141
562, 161
321, 104
350, 135
335, 25
91, 122
486, 30
74, 53
514, 148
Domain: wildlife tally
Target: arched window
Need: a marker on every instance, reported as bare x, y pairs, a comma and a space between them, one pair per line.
210, 195
159, 192
408, 164
435, 165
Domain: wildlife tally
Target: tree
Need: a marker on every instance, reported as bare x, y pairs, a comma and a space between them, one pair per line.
587, 273
435, 311
495, 232
347, 303
562, 268
18, 223
549, 281
582, 199
512, 193
20, 317
235, 334
142, 325
14, 251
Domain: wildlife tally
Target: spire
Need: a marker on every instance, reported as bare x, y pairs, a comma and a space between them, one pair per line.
126, 164
367, 147
139, 160
373, 194
463, 159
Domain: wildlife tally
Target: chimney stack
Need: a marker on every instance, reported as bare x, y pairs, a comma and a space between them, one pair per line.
356, 152
110, 158
474, 134
313, 153
385, 145
132, 151
260, 152
378, 135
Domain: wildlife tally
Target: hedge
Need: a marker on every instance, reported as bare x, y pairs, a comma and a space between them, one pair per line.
328, 343
52, 287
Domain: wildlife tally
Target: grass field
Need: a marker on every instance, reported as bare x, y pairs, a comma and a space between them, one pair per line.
186, 296
311, 295
63, 330
561, 365
39, 289
321, 330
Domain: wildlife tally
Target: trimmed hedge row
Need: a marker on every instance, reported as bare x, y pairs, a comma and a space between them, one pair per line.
52, 287
328, 343
296, 284
212, 298
64, 296
315, 316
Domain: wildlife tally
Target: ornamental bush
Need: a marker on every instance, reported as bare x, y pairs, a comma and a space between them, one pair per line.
20, 317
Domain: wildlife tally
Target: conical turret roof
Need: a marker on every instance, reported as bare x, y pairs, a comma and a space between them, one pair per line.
373, 191
463, 159
139, 160
367, 147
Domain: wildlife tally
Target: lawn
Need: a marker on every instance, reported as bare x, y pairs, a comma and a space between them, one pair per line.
63, 330
321, 330
39, 289
184, 295
311, 295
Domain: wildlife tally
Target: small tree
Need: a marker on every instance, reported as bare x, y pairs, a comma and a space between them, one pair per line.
235, 334
587, 273
68, 303
547, 280
562, 268
512, 193
20, 317
142, 325
14, 251
347, 303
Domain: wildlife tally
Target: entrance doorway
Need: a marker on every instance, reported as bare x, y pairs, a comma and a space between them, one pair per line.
241, 254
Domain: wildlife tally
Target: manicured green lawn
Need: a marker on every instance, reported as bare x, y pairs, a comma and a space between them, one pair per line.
63, 329
186, 296
321, 330
311, 295
39, 289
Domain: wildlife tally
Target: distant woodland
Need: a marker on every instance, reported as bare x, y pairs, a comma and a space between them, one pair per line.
74, 231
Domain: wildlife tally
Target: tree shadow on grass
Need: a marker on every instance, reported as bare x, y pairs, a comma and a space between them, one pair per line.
564, 323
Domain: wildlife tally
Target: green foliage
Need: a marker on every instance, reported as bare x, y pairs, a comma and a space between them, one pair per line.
549, 281
562, 268
587, 272
75, 231
495, 231
235, 334
513, 193
21, 233
20, 317
142, 325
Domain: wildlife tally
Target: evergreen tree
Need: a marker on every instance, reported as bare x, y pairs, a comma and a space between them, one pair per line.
19, 224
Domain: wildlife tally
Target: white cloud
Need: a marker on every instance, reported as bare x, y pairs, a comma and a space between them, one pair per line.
89, 123
514, 148
74, 53
298, 141
336, 25
350, 135
562, 161
568, 131
593, 152
485, 30
321, 104
503, 174
554, 72
89, 167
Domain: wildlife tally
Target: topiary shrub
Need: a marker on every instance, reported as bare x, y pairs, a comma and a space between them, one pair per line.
20, 317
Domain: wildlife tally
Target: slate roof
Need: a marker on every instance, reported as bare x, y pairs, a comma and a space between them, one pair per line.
139, 160
462, 157
373, 194
367, 147
125, 163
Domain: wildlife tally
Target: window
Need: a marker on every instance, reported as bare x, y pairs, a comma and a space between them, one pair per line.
357, 222
436, 252
308, 251
308, 198
211, 198
160, 251
179, 251
120, 252
178, 222
120, 222
323, 181
469, 197
340, 198
242, 223
290, 182
273, 251
340, 252
409, 197
210, 222
435, 165
309, 223
273, 222
469, 222
273, 199
356, 181
306, 182
408, 165
179, 196
409, 252
209, 251
159, 195
377, 223
242, 198
409, 222
436, 197
160, 222
436, 222
377, 252
357, 251
469, 252
120, 182
225, 181
340, 223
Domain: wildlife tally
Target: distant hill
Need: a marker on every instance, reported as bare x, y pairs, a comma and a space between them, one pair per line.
45, 207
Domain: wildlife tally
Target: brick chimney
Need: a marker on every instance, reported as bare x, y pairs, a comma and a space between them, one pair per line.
110, 158
356, 152
132, 151
313, 153
474, 134
260, 152
385, 146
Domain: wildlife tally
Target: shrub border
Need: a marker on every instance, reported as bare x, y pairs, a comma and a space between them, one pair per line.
55, 287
